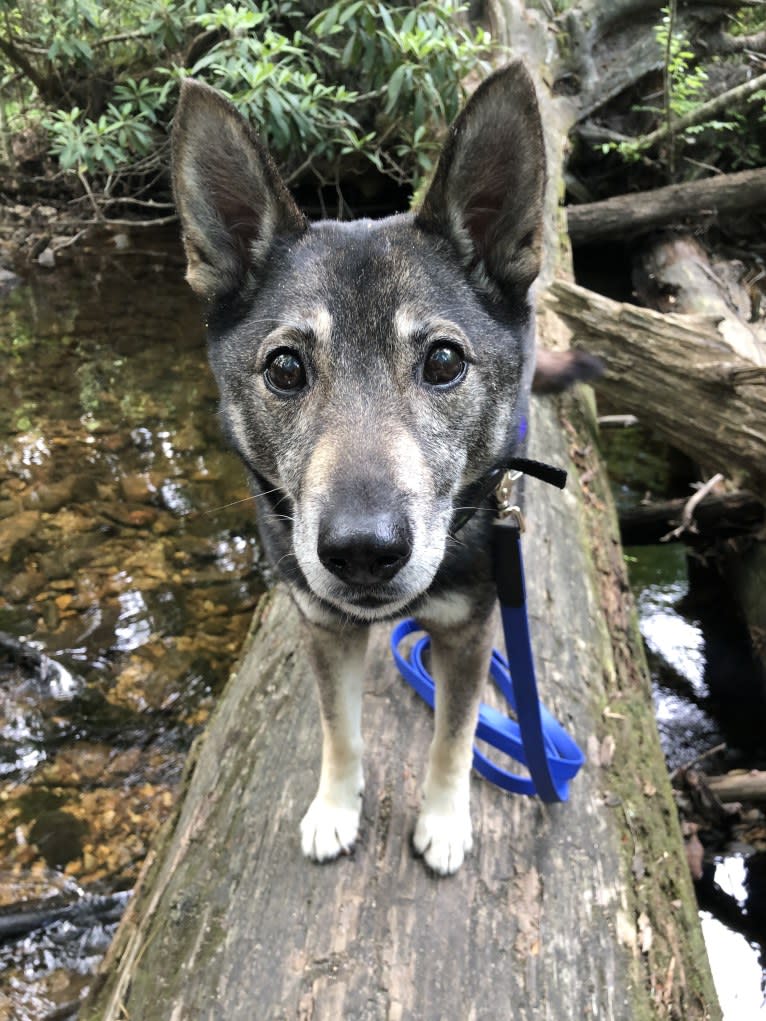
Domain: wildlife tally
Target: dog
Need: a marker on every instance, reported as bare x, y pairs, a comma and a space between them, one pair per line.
371, 373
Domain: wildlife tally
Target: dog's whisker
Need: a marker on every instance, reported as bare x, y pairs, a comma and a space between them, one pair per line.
225, 506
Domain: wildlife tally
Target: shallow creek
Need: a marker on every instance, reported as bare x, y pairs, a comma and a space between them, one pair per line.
127, 577
128, 574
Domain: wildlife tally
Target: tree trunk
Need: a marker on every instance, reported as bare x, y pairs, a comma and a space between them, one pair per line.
628, 216
581, 910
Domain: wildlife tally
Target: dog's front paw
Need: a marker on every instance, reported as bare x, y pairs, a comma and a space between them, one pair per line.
328, 829
443, 840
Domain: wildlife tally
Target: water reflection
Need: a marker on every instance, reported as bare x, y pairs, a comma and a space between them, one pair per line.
127, 581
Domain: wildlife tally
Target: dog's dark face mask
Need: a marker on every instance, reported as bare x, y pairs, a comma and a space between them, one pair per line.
369, 371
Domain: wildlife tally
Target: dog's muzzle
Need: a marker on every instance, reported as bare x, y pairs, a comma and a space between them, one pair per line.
364, 549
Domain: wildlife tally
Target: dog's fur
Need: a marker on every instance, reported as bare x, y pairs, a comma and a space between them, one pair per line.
358, 471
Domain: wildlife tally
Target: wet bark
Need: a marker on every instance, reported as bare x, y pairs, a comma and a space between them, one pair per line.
561, 912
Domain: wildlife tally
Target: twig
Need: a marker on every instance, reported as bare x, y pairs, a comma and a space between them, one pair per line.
726, 100
84, 182
126, 200
158, 222
696, 761
691, 505
71, 241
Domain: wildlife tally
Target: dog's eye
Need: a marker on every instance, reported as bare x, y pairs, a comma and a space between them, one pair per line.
444, 364
285, 372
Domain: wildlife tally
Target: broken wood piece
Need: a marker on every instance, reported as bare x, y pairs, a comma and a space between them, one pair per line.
675, 273
687, 513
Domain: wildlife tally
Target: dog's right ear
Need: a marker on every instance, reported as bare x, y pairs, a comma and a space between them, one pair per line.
230, 198
487, 193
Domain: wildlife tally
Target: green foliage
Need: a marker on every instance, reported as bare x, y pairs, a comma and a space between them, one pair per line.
685, 79
411, 58
358, 81
685, 91
117, 138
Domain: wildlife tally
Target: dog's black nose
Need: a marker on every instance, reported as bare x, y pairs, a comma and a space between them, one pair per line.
364, 550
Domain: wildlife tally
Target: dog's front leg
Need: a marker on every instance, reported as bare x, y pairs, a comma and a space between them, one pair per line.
330, 825
460, 660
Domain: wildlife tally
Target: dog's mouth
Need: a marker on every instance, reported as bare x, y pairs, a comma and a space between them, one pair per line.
368, 605
371, 602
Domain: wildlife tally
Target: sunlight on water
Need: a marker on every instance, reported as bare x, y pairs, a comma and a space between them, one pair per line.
667, 633
736, 970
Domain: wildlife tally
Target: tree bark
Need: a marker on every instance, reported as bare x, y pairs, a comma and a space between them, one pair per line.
739, 785
676, 373
628, 216
562, 912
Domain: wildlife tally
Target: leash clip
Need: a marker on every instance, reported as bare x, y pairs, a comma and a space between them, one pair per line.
506, 508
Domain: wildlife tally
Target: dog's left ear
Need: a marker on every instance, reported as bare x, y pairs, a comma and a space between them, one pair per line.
487, 193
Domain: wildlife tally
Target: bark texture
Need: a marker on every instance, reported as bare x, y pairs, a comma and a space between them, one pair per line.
676, 373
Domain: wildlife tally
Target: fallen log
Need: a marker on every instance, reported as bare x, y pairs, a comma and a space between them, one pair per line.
676, 373
715, 518
629, 216
739, 785
562, 912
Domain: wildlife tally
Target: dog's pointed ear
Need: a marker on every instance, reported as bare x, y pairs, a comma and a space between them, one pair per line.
231, 201
487, 193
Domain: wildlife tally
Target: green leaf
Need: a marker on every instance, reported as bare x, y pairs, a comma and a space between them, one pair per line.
395, 86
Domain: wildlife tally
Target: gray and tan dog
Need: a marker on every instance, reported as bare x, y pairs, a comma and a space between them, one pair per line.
370, 374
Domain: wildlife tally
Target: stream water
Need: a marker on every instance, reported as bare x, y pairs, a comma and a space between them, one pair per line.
128, 579
128, 574
706, 696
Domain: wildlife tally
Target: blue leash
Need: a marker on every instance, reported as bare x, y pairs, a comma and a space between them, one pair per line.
538, 741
